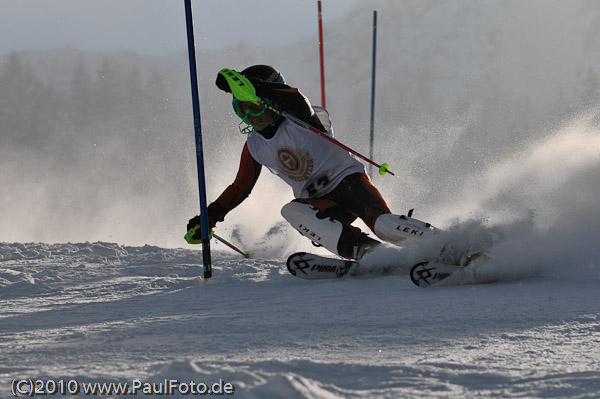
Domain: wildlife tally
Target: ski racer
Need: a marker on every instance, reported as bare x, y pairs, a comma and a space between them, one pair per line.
330, 186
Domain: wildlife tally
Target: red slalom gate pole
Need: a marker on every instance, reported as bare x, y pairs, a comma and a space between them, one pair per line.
321, 54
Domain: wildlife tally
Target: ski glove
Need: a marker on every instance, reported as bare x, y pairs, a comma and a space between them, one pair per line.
267, 89
216, 213
197, 221
263, 88
194, 226
258, 84
222, 84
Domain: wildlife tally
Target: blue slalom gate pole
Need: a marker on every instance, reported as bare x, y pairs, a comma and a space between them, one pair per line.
198, 135
373, 88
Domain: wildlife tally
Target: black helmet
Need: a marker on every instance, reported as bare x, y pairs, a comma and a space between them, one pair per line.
263, 72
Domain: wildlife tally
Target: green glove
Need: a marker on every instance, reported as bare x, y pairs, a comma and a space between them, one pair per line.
193, 236
239, 85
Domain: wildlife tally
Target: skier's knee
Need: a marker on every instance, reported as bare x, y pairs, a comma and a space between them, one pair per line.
322, 231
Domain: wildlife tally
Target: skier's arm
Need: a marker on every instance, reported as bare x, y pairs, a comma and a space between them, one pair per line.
238, 191
286, 97
290, 99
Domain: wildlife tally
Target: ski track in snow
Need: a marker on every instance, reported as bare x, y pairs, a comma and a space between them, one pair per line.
101, 312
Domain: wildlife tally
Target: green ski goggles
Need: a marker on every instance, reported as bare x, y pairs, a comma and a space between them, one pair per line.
244, 109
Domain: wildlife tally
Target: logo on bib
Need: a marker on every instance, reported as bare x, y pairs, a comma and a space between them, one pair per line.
294, 163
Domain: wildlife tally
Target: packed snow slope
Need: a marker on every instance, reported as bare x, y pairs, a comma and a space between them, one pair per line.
526, 325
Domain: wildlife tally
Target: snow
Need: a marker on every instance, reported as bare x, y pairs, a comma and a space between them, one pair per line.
103, 312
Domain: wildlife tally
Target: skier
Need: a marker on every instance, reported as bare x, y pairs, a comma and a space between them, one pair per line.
330, 186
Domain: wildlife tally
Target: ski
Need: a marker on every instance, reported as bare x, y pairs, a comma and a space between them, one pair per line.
314, 267
426, 274
430, 273
423, 274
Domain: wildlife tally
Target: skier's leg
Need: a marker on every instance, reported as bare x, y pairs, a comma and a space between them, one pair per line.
358, 195
320, 220
395, 229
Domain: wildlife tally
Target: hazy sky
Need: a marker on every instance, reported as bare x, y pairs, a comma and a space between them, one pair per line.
157, 27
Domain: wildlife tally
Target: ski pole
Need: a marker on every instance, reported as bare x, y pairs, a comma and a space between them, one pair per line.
383, 168
189, 237
230, 245
242, 89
